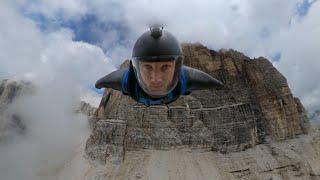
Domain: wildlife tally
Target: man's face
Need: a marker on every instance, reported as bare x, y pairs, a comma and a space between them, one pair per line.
157, 76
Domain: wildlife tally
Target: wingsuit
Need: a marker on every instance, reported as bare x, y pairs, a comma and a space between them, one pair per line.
157, 45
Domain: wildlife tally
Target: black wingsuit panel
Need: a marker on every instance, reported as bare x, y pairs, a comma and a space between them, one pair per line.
199, 80
112, 80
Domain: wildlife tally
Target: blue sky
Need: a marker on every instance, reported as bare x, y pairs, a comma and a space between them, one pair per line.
303, 7
88, 29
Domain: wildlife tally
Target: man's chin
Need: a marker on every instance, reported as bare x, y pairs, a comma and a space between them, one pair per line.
156, 93
156, 96
157, 89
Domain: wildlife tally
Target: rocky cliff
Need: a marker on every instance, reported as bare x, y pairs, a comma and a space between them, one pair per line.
11, 89
11, 123
253, 113
86, 109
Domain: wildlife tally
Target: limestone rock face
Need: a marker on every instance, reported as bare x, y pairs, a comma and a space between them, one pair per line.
108, 141
275, 99
10, 90
86, 109
296, 159
255, 106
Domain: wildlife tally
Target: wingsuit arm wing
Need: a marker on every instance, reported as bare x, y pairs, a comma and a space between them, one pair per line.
199, 80
113, 80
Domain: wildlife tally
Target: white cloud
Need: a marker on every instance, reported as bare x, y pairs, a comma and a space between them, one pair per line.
71, 9
300, 63
20, 42
92, 98
60, 68
25, 50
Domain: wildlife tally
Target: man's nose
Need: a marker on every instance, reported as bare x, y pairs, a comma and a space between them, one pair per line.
156, 77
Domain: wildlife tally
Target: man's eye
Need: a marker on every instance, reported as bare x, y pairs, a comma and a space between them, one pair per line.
147, 67
166, 67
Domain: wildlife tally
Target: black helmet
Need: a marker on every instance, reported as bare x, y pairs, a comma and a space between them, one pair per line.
159, 50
